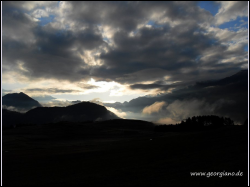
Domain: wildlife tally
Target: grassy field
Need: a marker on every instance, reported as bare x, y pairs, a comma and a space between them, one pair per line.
102, 155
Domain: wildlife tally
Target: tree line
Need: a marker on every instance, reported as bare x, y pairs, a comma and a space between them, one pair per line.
197, 122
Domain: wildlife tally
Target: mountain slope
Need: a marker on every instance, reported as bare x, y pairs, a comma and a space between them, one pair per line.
11, 118
225, 97
241, 76
19, 101
84, 111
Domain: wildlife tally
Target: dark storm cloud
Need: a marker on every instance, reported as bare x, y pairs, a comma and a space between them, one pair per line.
124, 15
87, 86
150, 48
146, 86
57, 42
127, 15
50, 90
160, 85
53, 52
51, 56
170, 49
177, 47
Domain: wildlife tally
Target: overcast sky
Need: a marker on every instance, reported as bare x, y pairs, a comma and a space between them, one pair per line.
117, 51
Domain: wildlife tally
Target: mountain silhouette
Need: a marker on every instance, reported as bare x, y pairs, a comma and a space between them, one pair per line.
19, 101
84, 111
11, 118
240, 77
231, 92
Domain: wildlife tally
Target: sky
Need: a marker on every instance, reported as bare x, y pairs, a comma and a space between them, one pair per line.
118, 51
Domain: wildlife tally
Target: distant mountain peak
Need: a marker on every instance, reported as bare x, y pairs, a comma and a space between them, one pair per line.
20, 101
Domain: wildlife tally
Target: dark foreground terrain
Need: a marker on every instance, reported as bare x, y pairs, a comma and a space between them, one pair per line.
122, 153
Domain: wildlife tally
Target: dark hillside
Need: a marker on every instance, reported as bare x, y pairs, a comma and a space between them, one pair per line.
85, 154
20, 101
84, 111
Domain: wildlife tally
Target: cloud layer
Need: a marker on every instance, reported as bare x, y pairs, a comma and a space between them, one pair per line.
123, 42
125, 48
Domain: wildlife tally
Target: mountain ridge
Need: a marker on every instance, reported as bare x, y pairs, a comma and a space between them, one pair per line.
228, 94
19, 101
84, 111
